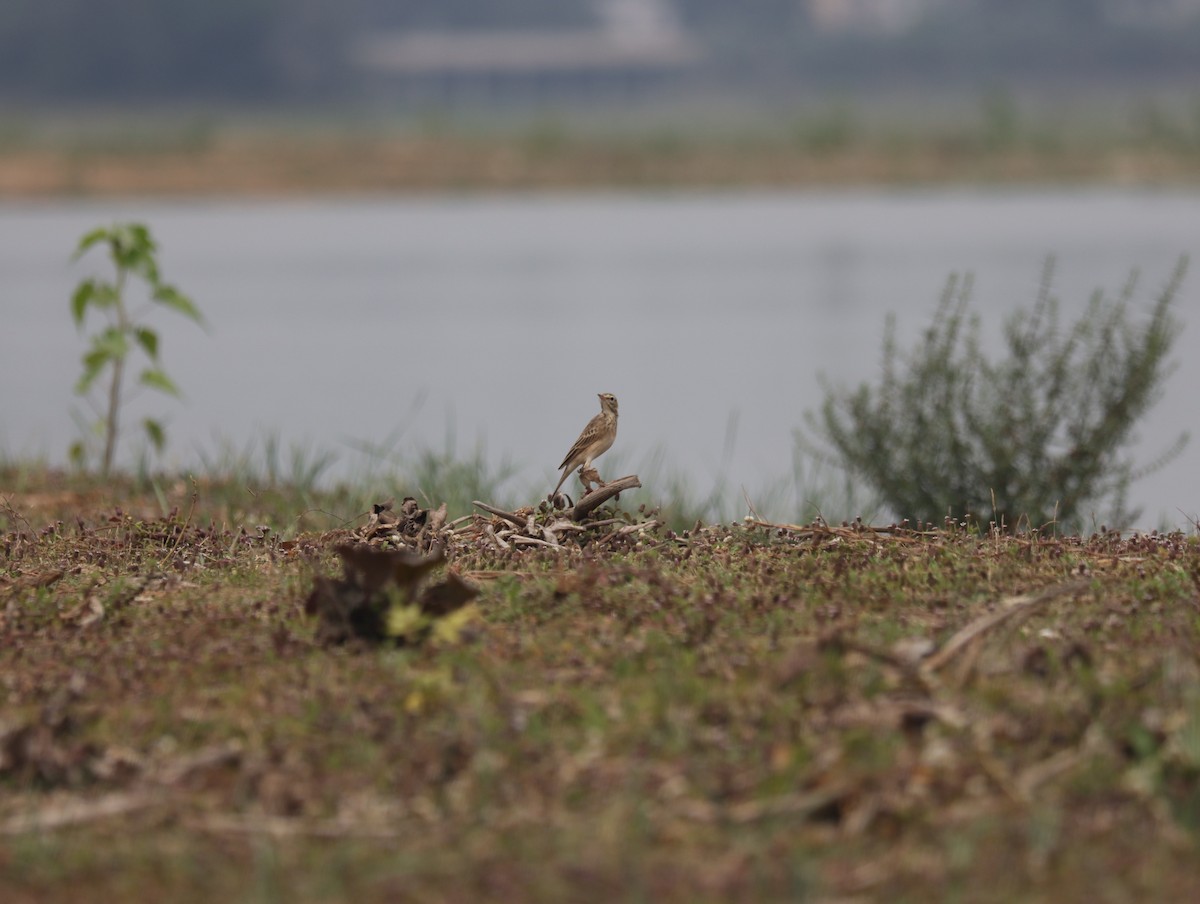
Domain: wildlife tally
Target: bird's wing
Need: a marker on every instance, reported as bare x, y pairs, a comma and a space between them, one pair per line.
586, 438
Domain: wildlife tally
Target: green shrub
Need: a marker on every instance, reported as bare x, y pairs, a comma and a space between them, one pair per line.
1035, 437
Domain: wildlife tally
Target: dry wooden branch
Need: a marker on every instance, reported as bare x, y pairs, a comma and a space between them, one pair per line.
1010, 607
491, 535
500, 513
284, 827
1043, 771
800, 805
594, 500
73, 812
940, 708
629, 529
856, 531
215, 757
533, 541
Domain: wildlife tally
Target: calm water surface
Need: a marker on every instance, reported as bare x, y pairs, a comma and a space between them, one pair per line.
500, 318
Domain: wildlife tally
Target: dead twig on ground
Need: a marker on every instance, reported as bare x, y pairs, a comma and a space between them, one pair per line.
819, 530
157, 787
1011, 606
74, 812
795, 806
285, 827
510, 517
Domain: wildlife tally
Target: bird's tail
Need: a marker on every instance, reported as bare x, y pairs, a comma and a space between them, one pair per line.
566, 473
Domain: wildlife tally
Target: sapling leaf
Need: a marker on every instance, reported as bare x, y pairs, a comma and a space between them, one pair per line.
133, 249
97, 235
172, 298
148, 340
156, 433
84, 293
105, 295
141, 238
93, 363
113, 341
92, 292
110, 345
107, 346
156, 379
145, 266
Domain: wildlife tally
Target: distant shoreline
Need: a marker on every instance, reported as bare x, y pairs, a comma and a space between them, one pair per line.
285, 166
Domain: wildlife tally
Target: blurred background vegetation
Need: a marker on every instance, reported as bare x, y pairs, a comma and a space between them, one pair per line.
311, 52
930, 89
1050, 85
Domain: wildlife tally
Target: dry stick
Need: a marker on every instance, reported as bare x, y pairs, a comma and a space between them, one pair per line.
1043, 771
1020, 788
213, 757
500, 513
801, 805
583, 529
629, 529
183, 530
34, 581
599, 497
77, 812
970, 658
61, 814
500, 544
1013, 605
750, 505
1015, 789
815, 532
520, 540
284, 827
948, 714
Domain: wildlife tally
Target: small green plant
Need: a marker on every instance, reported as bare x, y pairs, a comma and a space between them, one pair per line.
1035, 437
133, 252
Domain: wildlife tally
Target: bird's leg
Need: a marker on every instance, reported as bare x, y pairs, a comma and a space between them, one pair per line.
588, 476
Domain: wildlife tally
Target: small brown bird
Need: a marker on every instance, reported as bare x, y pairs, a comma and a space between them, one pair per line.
596, 439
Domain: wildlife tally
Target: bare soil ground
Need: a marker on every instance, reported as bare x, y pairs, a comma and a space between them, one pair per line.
273, 165
751, 712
